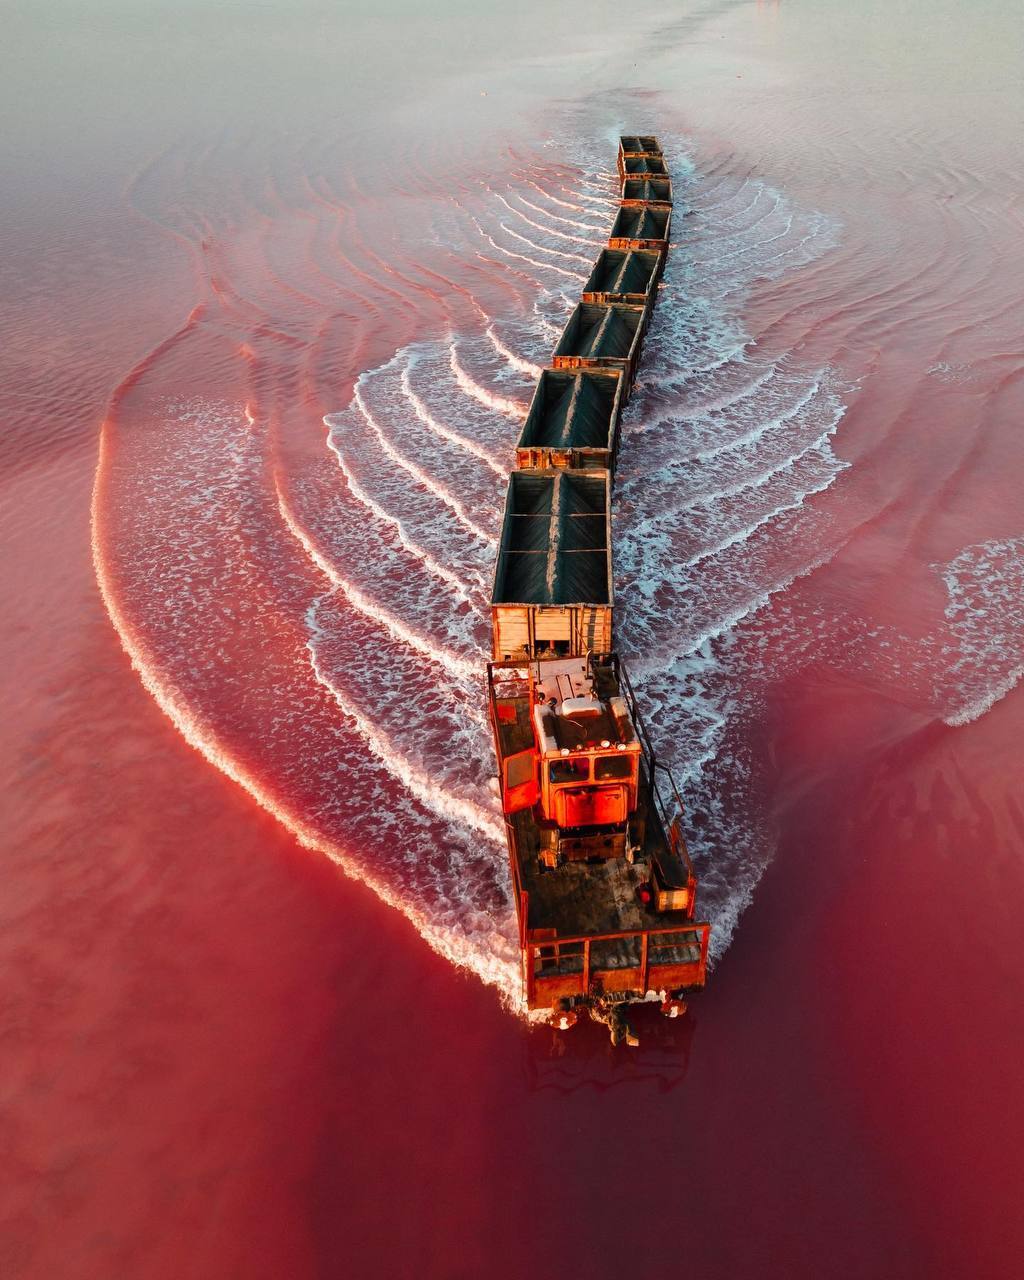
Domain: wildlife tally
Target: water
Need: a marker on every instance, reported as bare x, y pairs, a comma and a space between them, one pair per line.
267, 349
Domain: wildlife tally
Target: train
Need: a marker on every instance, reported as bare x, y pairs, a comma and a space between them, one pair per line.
603, 884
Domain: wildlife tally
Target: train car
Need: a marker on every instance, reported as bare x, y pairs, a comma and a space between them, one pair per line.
641, 227
604, 887
597, 335
624, 276
553, 579
643, 167
637, 147
573, 421
657, 191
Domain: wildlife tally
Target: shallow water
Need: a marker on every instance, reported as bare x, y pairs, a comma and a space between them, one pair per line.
276, 295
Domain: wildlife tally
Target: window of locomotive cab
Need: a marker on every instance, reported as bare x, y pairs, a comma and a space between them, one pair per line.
519, 769
569, 769
617, 766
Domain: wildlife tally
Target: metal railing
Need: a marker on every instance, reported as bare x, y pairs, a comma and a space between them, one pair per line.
653, 944
669, 818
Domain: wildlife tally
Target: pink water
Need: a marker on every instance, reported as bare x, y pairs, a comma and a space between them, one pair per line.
276, 289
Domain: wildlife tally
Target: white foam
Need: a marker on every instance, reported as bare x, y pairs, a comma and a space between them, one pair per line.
568, 222
748, 483
521, 257
744, 534
513, 408
985, 616
975, 709
430, 483
754, 435
601, 185
548, 231
516, 362
761, 190
418, 780
482, 946
607, 201
539, 248
455, 663
439, 428
565, 204
714, 402
360, 494
736, 614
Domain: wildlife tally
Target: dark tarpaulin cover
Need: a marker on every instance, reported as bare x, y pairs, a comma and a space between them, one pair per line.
571, 411
595, 330
621, 271
647, 189
632, 143
645, 164
640, 224
554, 543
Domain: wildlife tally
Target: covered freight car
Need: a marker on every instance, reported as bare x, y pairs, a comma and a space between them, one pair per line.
637, 147
624, 276
553, 580
641, 227
573, 420
598, 335
647, 191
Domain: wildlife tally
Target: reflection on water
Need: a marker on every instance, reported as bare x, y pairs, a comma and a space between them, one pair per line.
584, 1058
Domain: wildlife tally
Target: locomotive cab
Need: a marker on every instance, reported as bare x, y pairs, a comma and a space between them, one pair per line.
581, 769
589, 759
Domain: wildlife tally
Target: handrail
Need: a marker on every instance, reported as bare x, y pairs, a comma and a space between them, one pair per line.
671, 821
517, 883
561, 948
651, 958
646, 744
526, 685
656, 766
663, 768
702, 927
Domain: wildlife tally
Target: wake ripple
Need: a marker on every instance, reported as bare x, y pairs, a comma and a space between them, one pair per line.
379, 553
985, 616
